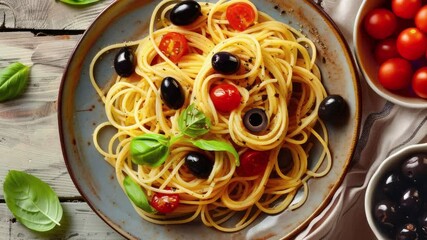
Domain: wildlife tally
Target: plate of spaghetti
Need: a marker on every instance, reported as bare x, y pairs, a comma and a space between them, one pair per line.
209, 120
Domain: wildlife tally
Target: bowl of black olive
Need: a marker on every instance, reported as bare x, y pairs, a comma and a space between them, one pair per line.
396, 196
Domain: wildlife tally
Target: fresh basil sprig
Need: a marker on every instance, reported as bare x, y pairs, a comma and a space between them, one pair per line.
13, 81
149, 149
32, 201
137, 195
79, 2
153, 149
193, 122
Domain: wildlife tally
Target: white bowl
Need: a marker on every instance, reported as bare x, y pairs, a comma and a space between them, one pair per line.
390, 163
364, 50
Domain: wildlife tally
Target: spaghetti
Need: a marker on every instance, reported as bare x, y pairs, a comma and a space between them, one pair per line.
277, 74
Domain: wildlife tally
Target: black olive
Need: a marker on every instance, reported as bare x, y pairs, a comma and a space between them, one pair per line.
407, 232
124, 62
185, 13
285, 160
172, 93
415, 168
393, 185
198, 164
411, 202
333, 109
422, 224
255, 120
225, 63
386, 213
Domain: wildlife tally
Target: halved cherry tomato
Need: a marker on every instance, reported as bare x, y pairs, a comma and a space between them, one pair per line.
405, 8
395, 73
240, 15
225, 97
411, 43
421, 19
174, 45
385, 49
419, 82
380, 23
252, 163
165, 203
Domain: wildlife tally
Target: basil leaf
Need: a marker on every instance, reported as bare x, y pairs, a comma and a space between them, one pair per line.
137, 195
79, 2
32, 201
13, 81
214, 145
149, 149
193, 122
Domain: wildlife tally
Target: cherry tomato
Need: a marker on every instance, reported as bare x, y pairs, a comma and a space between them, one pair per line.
411, 43
395, 73
252, 163
419, 82
421, 19
240, 15
380, 23
165, 203
405, 8
385, 49
225, 97
174, 45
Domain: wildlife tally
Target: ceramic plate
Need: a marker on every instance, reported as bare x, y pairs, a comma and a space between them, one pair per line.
80, 111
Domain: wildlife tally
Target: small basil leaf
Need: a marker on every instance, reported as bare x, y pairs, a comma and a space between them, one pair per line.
79, 2
149, 149
32, 201
137, 195
13, 81
193, 122
214, 145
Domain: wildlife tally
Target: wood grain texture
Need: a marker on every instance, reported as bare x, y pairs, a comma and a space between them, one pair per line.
29, 137
47, 14
78, 222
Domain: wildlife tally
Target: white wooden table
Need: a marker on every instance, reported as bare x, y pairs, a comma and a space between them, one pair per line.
42, 33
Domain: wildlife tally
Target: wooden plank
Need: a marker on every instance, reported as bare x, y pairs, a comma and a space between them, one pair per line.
29, 138
78, 222
48, 14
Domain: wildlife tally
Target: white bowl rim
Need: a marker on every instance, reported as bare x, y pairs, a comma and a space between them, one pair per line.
378, 174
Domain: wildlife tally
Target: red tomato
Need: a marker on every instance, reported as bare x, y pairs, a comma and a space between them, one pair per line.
225, 97
419, 82
385, 50
252, 163
165, 203
405, 8
421, 19
411, 43
380, 23
174, 45
240, 15
395, 73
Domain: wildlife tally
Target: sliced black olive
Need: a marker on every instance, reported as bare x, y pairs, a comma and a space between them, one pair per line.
333, 109
255, 120
185, 13
124, 62
225, 63
172, 93
198, 164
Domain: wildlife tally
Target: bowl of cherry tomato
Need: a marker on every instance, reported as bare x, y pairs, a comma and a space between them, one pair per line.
390, 38
396, 196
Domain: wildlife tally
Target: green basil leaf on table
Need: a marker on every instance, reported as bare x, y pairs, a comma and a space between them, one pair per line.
137, 195
193, 122
32, 201
13, 81
79, 2
215, 145
149, 149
